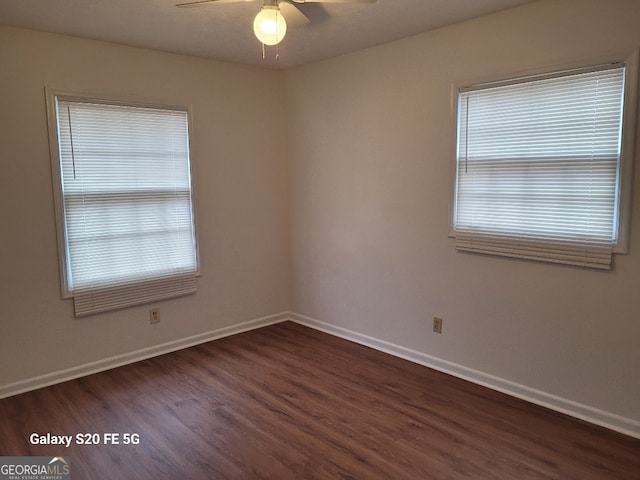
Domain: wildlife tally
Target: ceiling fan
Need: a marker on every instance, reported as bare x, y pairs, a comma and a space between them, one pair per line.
270, 25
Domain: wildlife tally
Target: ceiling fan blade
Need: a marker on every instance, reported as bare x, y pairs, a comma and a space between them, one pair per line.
293, 16
200, 3
335, 1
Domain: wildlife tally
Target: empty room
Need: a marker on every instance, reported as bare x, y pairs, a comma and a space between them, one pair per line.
282, 239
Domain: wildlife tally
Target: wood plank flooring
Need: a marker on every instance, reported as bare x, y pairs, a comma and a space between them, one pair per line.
287, 402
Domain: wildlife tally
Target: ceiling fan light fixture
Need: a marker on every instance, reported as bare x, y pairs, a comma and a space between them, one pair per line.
269, 25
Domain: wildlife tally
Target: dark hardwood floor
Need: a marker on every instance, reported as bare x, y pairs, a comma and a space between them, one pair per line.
287, 402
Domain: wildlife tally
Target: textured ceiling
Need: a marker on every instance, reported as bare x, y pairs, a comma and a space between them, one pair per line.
224, 31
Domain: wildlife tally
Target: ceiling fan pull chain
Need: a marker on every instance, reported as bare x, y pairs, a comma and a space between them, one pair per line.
277, 44
263, 52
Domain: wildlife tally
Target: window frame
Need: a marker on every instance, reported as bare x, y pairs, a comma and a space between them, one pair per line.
51, 95
628, 139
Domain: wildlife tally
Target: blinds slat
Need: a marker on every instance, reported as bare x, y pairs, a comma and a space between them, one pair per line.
91, 301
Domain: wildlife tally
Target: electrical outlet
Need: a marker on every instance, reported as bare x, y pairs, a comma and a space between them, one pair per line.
437, 324
154, 315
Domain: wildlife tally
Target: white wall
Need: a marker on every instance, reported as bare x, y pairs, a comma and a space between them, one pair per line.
240, 182
371, 167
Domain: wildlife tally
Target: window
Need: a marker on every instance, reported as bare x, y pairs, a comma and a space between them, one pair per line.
543, 168
124, 202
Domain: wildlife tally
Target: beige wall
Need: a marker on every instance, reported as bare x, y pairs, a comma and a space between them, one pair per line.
239, 161
371, 167
353, 172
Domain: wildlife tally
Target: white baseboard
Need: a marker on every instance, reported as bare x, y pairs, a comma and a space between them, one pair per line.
136, 356
592, 415
602, 418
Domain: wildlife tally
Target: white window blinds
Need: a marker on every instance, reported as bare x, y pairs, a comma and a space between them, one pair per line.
129, 231
538, 167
